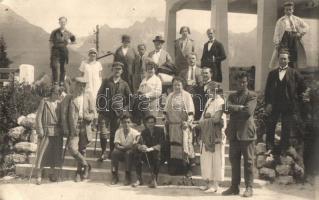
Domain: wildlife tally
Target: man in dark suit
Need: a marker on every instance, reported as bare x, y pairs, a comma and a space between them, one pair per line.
126, 55
241, 132
112, 101
284, 89
213, 55
149, 150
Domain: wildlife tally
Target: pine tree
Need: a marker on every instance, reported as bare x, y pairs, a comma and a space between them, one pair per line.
4, 60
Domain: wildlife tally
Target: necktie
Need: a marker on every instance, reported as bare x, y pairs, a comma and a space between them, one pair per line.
282, 69
192, 73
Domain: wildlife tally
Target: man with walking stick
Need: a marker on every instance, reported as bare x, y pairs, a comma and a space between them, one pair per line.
148, 151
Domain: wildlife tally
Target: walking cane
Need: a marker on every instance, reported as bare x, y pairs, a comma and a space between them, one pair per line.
33, 165
147, 160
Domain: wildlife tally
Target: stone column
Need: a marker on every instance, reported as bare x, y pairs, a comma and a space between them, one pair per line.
170, 29
266, 22
219, 21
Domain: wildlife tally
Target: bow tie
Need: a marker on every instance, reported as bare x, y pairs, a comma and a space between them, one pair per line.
282, 69
210, 41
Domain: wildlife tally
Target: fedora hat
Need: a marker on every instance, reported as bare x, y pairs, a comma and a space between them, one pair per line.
159, 38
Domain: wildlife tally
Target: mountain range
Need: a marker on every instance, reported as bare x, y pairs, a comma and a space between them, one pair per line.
28, 43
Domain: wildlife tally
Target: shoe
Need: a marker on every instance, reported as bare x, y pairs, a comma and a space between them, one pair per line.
248, 192
127, 178
115, 178
77, 177
38, 181
211, 190
87, 169
204, 188
231, 191
53, 178
137, 183
153, 184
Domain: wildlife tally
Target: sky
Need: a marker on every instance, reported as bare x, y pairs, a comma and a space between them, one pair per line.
84, 15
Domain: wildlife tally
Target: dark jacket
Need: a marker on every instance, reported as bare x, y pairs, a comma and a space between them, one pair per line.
295, 86
241, 123
128, 61
110, 101
217, 50
155, 141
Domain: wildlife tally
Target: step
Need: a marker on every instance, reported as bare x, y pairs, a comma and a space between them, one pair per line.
69, 161
104, 175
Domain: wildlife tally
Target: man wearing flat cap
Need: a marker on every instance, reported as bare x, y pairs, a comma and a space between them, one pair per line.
77, 114
59, 39
112, 102
288, 34
126, 55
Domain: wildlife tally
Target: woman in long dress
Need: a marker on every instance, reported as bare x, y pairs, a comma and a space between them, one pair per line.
179, 112
212, 159
50, 142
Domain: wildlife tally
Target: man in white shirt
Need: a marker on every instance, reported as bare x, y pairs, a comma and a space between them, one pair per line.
192, 74
125, 140
289, 31
159, 55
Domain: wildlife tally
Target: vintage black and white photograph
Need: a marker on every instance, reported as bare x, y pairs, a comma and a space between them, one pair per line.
159, 99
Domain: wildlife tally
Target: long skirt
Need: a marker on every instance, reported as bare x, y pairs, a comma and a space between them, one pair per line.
213, 163
49, 153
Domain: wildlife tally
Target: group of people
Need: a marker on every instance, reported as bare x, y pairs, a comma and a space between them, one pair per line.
194, 110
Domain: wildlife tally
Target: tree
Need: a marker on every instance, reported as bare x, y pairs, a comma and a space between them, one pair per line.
4, 60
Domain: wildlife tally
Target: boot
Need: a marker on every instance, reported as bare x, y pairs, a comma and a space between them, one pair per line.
248, 192
77, 176
115, 178
138, 182
233, 190
86, 171
127, 178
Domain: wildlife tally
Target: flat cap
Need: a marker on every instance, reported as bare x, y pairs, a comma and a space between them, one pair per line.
92, 50
117, 65
289, 3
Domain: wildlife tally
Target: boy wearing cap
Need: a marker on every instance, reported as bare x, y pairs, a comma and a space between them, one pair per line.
112, 101
77, 114
59, 39
288, 34
126, 55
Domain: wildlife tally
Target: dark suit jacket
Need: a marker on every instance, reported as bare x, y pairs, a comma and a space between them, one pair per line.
241, 123
128, 61
180, 54
198, 74
109, 100
295, 86
218, 51
155, 141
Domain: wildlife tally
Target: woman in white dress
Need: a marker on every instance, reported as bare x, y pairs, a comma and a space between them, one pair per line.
92, 71
212, 159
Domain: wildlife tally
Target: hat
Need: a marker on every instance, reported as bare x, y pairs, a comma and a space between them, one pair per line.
126, 38
80, 80
288, 3
92, 50
117, 65
159, 38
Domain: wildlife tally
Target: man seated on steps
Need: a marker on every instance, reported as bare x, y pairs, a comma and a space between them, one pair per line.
148, 151
124, 141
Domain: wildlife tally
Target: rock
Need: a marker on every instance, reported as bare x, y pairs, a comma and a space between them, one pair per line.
34, 137
286, 160
25, 137
16, 132
283, 170
28, 121
285, 180
19, 158
25, 147
261, 148
20, 119
270, 161
298, 171
266, 173
7, 178
261, 161
292, 152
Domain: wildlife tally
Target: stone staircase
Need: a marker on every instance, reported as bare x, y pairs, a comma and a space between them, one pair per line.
101, 170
